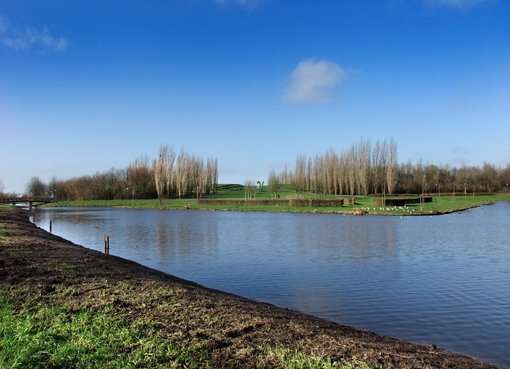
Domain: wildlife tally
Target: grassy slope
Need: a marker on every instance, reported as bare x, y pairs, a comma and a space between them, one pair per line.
41, 336
443, 204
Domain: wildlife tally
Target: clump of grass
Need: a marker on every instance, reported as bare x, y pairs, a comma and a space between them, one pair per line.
3, 233
294, 360
53, 337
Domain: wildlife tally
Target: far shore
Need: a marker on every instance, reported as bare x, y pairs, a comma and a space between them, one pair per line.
156, 319
364, 205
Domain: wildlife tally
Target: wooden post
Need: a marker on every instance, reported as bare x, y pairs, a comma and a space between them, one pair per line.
107, 245
51, 225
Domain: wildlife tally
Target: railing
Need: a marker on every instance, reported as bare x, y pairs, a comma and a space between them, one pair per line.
31, 201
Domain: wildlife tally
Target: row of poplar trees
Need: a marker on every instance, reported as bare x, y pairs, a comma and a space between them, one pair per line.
362, 169
180, 175
366, 168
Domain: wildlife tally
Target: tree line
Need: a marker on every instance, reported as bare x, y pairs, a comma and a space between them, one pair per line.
366, 168
169, 175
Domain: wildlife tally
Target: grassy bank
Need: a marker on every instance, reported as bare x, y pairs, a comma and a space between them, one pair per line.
41, 336
439, 205
54, 336
64, 306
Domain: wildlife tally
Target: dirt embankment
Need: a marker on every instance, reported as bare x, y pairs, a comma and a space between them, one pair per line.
235, 329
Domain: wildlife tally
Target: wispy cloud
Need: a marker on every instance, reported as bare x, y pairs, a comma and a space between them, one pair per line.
458, 4
313, 81
249, 4
29, 37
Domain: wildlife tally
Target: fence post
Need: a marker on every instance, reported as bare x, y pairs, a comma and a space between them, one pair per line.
51, 226
107, 245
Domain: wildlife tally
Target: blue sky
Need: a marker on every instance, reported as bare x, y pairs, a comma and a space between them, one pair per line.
89, 85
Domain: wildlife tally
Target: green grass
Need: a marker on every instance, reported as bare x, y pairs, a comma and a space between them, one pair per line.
295, 360
51, 337
443, 204
234, 191
440, 204
3, 233
42, 337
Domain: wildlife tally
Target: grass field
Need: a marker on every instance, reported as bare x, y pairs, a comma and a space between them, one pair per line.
363, 204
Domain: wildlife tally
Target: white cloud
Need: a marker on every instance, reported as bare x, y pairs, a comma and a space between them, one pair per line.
29, 37
459, 4
313, 81
250, 4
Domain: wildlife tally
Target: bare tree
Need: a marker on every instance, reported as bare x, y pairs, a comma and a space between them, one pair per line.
273, 183
169, 165
36, 187
300, 173
391, 166
362, 152
160, 172
180, 174
141, 178
249, 189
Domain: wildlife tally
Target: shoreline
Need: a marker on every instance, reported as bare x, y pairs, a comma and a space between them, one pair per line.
359, 210
306, 212
230, 330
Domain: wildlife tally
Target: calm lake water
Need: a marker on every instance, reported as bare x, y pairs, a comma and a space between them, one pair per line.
442, 280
